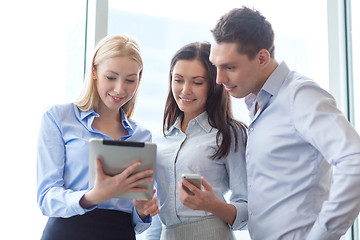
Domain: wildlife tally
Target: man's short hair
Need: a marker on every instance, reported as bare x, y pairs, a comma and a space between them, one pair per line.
248, 28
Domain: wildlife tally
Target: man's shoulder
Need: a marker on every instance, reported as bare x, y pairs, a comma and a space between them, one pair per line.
295, 82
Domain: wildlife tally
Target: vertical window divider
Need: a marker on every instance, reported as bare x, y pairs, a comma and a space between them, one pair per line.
349, 61
341, 68
96, 25
350, 86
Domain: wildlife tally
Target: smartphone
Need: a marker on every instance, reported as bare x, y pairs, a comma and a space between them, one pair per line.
194, 178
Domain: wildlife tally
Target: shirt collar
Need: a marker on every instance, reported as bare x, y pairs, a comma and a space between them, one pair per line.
125, 122
276, 79
85, 116
202, 120
272, 84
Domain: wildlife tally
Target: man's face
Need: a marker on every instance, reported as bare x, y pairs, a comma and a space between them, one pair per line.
239, 75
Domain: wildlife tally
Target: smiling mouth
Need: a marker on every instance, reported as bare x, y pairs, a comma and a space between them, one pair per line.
187, 100
116, 99
228, 88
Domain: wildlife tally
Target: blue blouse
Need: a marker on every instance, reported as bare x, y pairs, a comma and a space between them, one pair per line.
63, 162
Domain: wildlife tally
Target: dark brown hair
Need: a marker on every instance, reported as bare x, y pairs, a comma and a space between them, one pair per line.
248, 28
218, 103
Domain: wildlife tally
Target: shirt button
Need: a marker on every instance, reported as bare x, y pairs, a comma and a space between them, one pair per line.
249, 185
199, 130
251, 129
171, 189
192, 123
176, 133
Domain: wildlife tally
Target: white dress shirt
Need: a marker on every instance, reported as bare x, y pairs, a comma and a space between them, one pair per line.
295, 138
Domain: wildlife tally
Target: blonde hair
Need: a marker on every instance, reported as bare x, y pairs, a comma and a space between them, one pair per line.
109, 47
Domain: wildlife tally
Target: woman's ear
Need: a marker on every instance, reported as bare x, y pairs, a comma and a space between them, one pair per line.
93, 73
264, 57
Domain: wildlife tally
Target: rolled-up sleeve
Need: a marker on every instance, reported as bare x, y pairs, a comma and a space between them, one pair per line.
236, 168
140, 225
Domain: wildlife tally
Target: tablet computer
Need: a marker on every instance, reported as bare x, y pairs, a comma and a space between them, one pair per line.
116, 156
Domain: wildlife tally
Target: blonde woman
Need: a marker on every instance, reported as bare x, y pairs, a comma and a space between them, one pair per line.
103, 110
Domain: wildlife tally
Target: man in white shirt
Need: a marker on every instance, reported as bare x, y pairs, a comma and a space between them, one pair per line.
302, 156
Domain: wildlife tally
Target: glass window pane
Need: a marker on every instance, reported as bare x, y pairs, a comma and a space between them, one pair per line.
355, 31
42, 64
355, 34
162, 29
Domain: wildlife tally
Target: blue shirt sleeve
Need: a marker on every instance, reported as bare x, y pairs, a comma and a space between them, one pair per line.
236, 168
316, 116
154, 231
53, 199
140, 225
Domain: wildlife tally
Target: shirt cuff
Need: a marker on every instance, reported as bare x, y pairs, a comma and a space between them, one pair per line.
77, 196
319, 233
241, 219
140, 225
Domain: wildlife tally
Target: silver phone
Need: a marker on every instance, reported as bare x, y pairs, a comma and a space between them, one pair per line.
193, 178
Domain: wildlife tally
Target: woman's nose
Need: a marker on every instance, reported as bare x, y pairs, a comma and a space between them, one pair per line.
186, 88
118, 86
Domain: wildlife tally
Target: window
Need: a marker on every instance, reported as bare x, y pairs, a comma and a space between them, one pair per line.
162, 29
355, 39
355, 33
42, 64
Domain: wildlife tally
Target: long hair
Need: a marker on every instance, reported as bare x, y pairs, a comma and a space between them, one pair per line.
218, 103
109, 47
